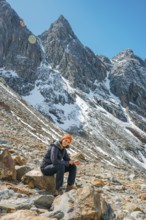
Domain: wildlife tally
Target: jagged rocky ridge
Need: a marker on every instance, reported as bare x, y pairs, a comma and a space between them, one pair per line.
67, 54
100, 99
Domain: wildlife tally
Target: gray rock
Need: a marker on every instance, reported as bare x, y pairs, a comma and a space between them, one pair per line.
5, 194
138, 214
24, 205
143, 187
44, 201
21, 171
57, 214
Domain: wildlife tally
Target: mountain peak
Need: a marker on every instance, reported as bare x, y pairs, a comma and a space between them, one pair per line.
61, 27
61, 19
127, 52
2, 4
124, 54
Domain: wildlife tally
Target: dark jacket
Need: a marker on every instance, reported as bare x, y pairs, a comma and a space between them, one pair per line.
55, 155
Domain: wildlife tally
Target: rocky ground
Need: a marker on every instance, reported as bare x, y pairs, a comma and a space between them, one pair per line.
123, 190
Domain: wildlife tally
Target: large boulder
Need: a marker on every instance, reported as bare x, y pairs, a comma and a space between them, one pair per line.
44, 201
7, 166
84, 203
35, 178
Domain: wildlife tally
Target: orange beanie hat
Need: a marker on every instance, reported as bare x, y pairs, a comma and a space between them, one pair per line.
67, 136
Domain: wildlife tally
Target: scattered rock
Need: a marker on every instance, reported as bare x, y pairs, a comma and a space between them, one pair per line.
142, 196
18, 160
44, 201
7, 168
98, 183
17, 188
7, 206
143, 187
130, 206
21, 171
78, 156
137, 215
25, 215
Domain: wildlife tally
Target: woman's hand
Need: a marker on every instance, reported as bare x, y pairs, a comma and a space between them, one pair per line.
75, 162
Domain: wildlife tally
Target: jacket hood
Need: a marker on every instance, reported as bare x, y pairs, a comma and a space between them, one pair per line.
57, 144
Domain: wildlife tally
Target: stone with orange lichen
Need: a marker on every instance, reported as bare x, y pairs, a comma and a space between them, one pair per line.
143, 196
7, 166
18, 160
19, 189
98, 183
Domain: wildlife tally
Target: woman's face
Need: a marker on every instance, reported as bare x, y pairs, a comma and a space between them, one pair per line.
65, 142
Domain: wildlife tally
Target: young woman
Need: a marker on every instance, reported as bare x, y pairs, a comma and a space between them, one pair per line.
57, 161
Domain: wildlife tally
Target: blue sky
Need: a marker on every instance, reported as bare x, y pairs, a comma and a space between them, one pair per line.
106, 26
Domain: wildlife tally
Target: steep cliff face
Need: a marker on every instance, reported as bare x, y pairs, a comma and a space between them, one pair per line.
128, 82
67, 54
16, 51
128, 78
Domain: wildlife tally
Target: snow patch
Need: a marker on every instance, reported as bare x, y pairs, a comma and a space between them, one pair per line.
35, 98
8, 73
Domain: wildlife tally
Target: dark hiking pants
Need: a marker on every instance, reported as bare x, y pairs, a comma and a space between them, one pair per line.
59, 170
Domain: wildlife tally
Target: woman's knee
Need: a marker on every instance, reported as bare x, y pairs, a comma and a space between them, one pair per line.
61, 167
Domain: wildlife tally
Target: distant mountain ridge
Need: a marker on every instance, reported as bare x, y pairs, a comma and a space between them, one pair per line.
100, 99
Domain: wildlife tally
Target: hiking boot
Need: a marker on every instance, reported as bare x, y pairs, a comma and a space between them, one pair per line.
70, 187
58, 192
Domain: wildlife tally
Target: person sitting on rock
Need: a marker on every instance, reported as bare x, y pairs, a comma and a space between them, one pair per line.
57, 161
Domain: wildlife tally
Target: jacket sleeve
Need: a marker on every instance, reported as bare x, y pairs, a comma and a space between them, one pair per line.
54, 158
66, 156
